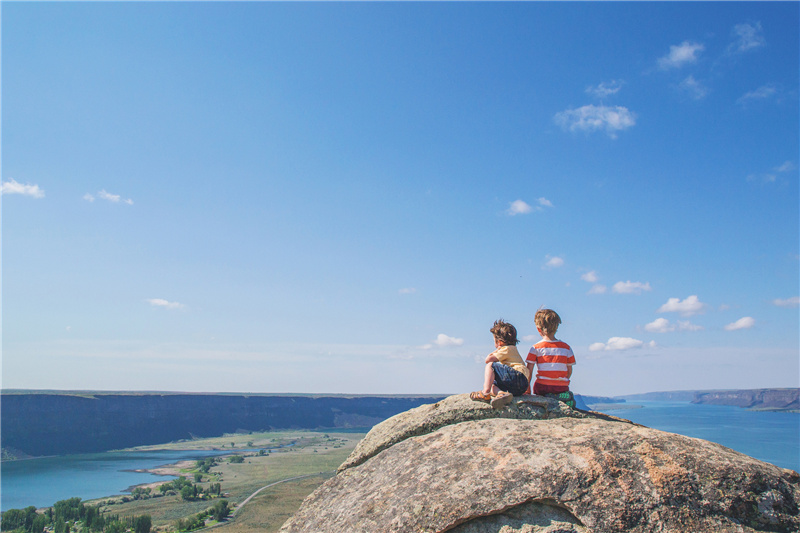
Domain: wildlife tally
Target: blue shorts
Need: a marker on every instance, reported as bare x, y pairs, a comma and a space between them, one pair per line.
509, 380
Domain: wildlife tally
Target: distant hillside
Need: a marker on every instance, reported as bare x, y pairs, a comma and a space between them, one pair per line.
774, 399
52, 423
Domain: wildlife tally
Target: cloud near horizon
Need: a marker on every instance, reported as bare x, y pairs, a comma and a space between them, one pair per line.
591, 118
13, 187
160, 302
688, 307
443, 341
746, 322
104, 195
788, 302
631, 287
620, 344
662, 325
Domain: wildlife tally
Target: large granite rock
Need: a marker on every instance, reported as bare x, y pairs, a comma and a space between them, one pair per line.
536, 467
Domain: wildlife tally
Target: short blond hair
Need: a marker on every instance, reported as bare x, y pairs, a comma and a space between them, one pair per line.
547, 320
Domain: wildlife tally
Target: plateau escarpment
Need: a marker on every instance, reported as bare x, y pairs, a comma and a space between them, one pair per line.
39, 424
537, 466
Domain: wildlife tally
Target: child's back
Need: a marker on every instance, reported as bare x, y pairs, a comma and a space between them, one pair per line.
553, 358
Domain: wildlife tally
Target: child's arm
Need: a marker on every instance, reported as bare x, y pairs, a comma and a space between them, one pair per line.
569, 371
529, 364
491, 358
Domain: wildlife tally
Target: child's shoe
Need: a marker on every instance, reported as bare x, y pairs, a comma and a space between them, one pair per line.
502, 399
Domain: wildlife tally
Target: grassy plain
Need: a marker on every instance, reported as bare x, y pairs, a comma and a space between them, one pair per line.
290, 454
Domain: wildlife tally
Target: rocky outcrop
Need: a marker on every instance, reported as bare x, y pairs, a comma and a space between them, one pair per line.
538, 467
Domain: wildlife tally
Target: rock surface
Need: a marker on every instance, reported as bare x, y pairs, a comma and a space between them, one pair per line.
534, 467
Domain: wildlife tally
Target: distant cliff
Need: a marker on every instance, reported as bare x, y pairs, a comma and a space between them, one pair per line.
40, 424
783, 399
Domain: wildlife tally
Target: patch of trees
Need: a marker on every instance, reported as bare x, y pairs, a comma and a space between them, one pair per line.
219, 511
236, 459
71, 516
189, 491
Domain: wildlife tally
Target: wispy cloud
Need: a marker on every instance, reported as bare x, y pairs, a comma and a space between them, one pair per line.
104, 195
746, 322
407, 290
765, 92
662, 325
680, 55
12, 187
443, 341
688, 307
788, 302
553, 262
693, 88
619, 344
630, 287
544, 202
786, 167
591, 118
160, 302
747, 37
590, 277
605, 89
598, 289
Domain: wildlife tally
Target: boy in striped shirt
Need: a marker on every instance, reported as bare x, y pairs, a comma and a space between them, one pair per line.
553, 358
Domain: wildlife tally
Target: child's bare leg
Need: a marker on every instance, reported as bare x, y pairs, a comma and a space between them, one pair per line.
488, 380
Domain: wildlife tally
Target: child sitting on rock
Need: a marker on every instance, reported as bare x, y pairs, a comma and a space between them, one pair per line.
553, 358
505, 374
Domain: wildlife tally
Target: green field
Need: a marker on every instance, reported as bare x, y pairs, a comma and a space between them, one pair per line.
304, 453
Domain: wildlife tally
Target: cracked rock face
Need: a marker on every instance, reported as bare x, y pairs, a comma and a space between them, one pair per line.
549, 469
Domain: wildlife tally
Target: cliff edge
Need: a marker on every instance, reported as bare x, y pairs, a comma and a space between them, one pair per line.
538, 466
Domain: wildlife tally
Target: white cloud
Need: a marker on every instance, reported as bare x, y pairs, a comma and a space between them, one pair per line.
762, 93
598, 289
659, 325
695, 89
788, 302
443, 340
553, 262
590, 277
748, 37
662, 325
544, 202
688, 307
786, 167
160, 302
105, 195
407, 290
518, 207
591, 118
604, 89
680, 55
631, 287
12, 187
618, 344
746, 322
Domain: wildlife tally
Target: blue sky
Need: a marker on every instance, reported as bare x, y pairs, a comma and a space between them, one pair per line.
343, 197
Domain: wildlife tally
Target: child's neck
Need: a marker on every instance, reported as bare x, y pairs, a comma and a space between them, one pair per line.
548, 337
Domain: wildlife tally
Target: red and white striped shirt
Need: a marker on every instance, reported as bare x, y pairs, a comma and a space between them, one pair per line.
552, 359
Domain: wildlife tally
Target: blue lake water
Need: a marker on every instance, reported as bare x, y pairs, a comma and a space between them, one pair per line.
42, 482
770, 436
